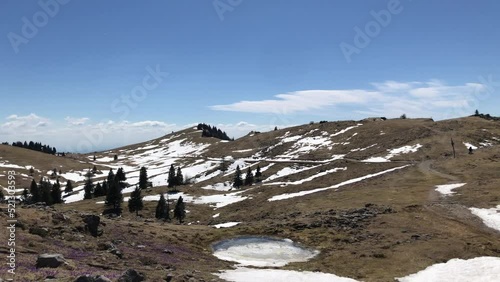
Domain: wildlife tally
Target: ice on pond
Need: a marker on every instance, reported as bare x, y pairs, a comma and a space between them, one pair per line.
262, 251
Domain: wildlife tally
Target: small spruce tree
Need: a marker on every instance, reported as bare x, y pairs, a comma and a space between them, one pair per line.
35, 192
162, 209
172, 180
143, 178
88, 188
179, 178
56, 193
135, 202
69, 187
249, 177
238, 181
111, 176
180, 210
258, 175
114, 197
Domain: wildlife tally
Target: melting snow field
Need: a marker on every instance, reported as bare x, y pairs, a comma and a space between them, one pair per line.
262, 252
393, 153
447, 189
243, 274
490, 217
303, 193
484, 269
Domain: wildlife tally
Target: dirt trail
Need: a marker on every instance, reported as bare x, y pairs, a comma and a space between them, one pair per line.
445, 206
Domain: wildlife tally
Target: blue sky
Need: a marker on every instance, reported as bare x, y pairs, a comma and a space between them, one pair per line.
127, 71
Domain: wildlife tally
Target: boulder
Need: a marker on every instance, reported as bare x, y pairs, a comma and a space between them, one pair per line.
50, 261
40, 231
58, 218
132, 275
92, 224
102, 278
88, 278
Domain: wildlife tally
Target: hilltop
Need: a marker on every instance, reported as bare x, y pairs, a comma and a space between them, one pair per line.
365, 194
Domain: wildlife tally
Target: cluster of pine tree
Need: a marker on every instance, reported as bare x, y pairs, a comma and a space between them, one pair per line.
35, 146
163, 209
212, 131
115, 184
250, 178
44, 191
175, 177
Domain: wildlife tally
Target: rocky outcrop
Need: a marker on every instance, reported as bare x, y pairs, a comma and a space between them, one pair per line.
50, 261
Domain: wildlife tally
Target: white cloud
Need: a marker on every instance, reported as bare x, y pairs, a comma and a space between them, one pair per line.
30, 123
301, 101
76, 121
391, 98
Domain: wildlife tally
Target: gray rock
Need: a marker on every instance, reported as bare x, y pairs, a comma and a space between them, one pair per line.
85, 278
102, 278
40, 231
132, 275
92, 224
88, 278
50, 260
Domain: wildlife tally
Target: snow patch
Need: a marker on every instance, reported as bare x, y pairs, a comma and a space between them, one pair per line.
244, 274
484, 269
447, 189
226, 225
351, 181
490, 217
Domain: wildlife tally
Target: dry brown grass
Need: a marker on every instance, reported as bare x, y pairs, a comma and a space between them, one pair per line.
423, 228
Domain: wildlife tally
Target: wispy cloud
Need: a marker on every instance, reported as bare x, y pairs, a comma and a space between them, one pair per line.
76, 121
432, 98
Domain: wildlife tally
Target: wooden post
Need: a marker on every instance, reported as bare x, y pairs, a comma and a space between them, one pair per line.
453, 146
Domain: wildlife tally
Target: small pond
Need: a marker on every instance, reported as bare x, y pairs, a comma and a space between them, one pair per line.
262, 251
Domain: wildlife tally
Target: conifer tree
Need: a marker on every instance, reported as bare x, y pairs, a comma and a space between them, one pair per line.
35, 192
172, 177
179, 178
98, 191
258, 175
143, 178
105, 188
238, 181
114, 196
249, 177
56, 193
180, 210
120, 174
46, 192
2, 196
111, 175
69, 187
162, 209
135, 202
88, 188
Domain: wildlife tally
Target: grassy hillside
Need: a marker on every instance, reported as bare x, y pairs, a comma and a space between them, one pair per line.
376, 216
